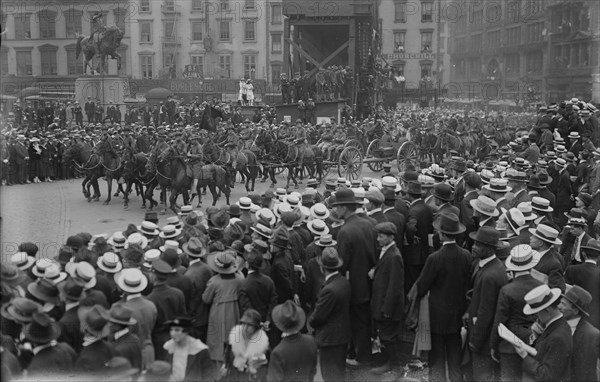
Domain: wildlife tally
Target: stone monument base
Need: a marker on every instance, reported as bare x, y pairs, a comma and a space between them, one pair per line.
102, 90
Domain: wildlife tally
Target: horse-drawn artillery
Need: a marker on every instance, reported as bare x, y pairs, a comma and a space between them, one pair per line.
381, 151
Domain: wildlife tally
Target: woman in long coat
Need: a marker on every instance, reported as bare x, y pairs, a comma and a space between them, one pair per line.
222, 293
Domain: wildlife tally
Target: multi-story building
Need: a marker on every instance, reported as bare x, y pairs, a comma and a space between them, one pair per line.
39, 44
414, 35
520, 52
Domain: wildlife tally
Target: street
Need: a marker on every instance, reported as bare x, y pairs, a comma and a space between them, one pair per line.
48, 213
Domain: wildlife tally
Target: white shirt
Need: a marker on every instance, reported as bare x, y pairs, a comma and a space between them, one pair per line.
180, 357
577, 252
121, 333
193, 262
552, 320
71, 305
573, 322
331, 275
385, 248
38, 349
388, 209
483, 262
373, 211
448, 242
591, 261
132, 296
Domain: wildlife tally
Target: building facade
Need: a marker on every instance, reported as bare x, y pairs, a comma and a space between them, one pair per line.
39, 45
523, 52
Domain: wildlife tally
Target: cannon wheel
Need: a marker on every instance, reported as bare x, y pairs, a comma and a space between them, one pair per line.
407, 154
350, 163
376, 166
354, 143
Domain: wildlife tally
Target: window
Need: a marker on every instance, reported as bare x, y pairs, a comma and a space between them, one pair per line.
477, 17
197, 61
426, 12
276, 70
276, 45
225, 65
145, 5
426, 40
399, 71
224, 5
513, 63
460, 67
276, 15
120, 15
249, 30
250, 66
74, 66
73, 22
47, 22
513, 36
197, 31
24, 63
493, 39
534, 62
4, 61
145, 31
48, 62
197, 5
146, 62
22, 27
169, 32
476, 42
512, 12
224, 30
170, 5
250, 4
425, 69
400, 12
169, 59
399, 41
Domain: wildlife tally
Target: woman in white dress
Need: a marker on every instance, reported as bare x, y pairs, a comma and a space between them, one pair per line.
250, 92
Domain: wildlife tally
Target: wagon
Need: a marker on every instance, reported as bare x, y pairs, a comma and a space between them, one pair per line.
379, 153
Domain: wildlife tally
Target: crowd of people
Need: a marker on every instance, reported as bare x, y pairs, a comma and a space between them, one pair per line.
489, 270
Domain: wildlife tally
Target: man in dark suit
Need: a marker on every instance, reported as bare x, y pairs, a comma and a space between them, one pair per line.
509, 311
331, 318
199, 273
125, 343
387, 301
472, 185
575, 238
391, 214
488, 277
586, 338
19, 155
70, 331
446, 276
176, 279
356, 246
564, 192
374, 206
96, 352
257, 291
295, 357
555, 343
543, 239
418, 231
170, 303
50, 358
587, 276
90, 110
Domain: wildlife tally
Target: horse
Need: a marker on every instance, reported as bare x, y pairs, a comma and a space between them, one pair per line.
135, 172
286, 154
244, 162
172, 173
110, 164
80, 154
214, 176
109, 42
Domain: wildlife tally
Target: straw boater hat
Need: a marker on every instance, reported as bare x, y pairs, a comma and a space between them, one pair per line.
148, 228
22, 261
110, 263
131, 280
318, 227
326, 241
521, 258
244, 203
41, 265
485, 205
137, 239
319, 211
391, 182
541, 204
546, 233
266, 215
515, 219
85, 272
498, 185
169, 232
174, 221
54, 274
540, 298
263, 230
282, 208
171, 244
118, 241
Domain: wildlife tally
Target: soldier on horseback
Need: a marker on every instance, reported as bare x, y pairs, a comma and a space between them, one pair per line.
98, 32
300, 142
195, 155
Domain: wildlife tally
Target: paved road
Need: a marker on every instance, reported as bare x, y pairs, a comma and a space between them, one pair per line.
47, 213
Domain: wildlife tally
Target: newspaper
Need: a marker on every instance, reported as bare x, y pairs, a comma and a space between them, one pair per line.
511, 338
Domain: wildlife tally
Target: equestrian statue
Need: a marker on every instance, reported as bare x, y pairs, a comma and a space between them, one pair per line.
104, 41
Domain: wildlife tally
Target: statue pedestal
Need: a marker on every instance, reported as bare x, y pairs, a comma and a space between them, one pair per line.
102, 90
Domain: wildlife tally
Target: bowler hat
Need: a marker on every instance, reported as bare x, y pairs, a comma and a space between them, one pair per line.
488, 236
443, 192
449, 223
579, 297
345, 196
414, 188
288, 317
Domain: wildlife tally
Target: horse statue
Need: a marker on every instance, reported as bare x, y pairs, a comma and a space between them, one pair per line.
102, 43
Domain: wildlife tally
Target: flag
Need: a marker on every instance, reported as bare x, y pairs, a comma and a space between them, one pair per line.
208, 118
